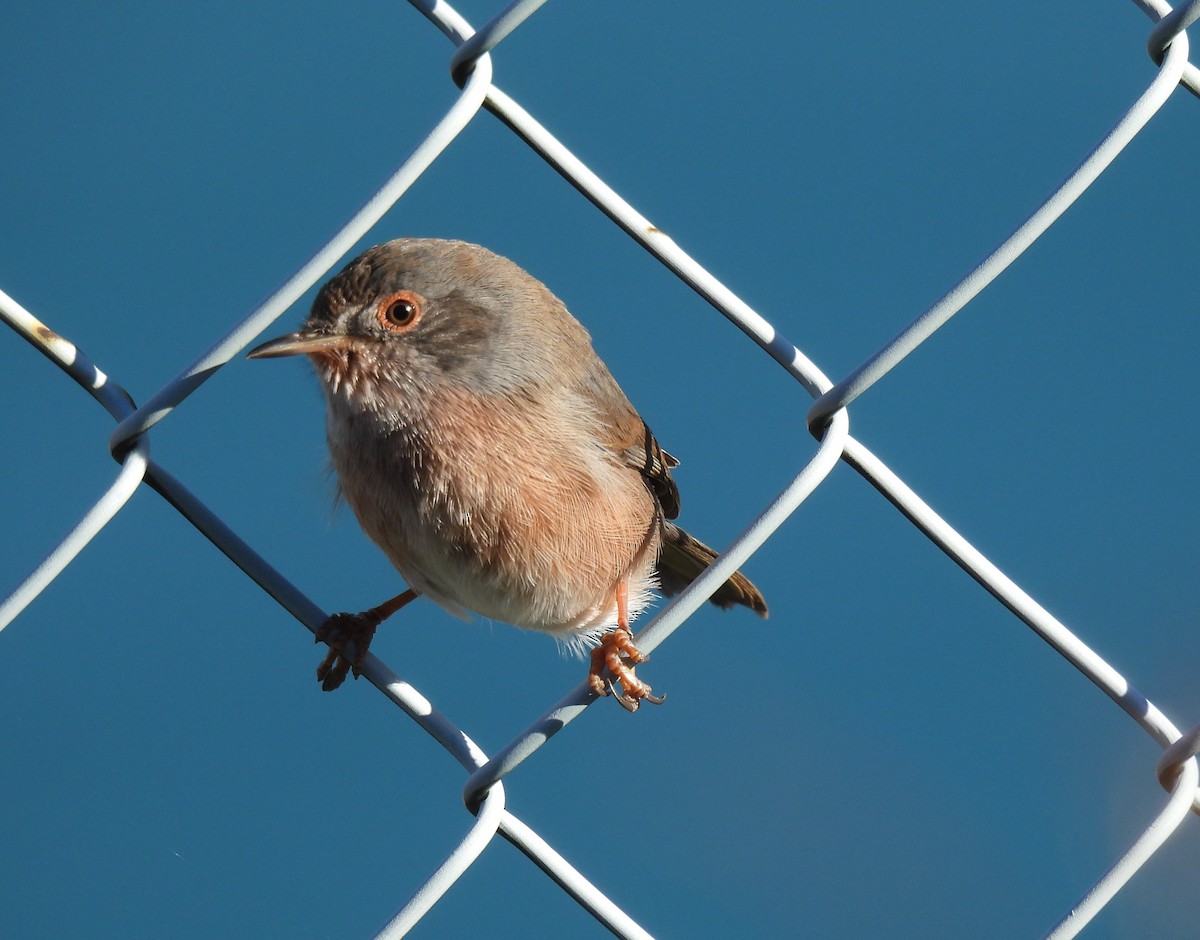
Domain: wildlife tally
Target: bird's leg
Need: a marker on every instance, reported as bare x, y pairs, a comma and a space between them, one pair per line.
617, 653
349, 636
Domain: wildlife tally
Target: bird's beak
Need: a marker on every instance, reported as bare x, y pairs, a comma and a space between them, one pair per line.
295, 344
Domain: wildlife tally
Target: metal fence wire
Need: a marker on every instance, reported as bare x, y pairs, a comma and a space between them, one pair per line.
488, 775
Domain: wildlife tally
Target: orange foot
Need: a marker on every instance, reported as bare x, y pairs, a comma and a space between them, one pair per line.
617, 653
349, 637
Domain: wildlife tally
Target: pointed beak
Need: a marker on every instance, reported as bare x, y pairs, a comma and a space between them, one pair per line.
295, 344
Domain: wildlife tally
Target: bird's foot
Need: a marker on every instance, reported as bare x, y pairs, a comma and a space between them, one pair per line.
349, 637
619, 656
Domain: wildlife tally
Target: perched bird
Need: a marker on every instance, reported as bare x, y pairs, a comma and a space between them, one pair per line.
484, 446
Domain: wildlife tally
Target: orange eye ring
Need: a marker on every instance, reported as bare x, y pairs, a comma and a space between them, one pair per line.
401, 311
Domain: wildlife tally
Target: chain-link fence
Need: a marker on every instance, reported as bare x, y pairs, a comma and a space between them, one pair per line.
490, 774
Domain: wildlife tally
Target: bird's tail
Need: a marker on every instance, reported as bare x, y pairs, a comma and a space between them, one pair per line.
684, 559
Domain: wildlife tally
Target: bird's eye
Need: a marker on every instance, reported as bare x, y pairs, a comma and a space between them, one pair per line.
399, 312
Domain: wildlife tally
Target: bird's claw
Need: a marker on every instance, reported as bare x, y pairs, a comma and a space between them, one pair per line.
617, 653
349, 637
631, 703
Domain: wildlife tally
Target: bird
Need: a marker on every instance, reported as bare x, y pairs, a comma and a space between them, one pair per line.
486, 449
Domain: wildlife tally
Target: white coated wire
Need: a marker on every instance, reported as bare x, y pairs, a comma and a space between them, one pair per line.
483, 792
882, 362
133, 466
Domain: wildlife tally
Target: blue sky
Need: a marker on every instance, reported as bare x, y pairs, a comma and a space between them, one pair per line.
892, 753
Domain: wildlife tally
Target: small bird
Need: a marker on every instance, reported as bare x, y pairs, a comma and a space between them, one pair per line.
487, 450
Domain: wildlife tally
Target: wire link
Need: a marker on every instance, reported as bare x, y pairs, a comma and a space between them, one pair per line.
828, 419
1171, 25
1176, 756
485, 40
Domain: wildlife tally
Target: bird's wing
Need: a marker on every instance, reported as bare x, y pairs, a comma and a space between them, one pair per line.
628, 436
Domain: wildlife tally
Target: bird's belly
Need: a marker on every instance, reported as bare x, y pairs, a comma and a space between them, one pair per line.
509, 552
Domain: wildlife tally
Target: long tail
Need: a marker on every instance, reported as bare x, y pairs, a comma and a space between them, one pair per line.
684, 559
